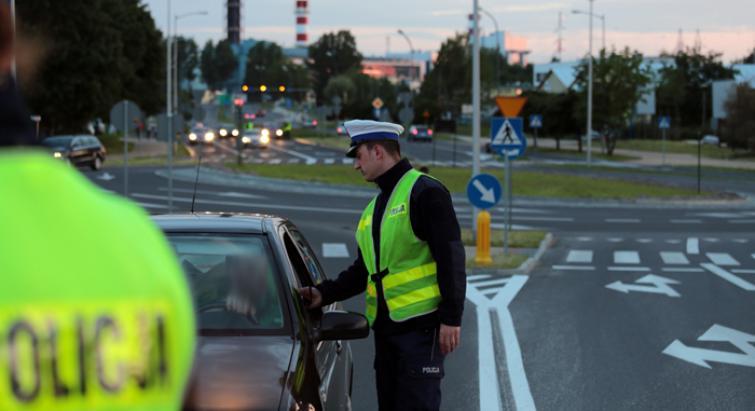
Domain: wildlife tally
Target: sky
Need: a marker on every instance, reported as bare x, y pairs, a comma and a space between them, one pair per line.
650, 26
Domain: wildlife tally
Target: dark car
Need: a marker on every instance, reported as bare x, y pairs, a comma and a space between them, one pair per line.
258, 347
77, 150
420, 133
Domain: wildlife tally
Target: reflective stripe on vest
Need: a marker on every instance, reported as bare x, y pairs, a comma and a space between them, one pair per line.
410, 286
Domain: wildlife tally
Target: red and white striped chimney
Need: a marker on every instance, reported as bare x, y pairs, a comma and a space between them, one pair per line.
302, 11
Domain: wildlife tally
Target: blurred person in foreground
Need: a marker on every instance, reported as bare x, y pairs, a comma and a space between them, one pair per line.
112, 331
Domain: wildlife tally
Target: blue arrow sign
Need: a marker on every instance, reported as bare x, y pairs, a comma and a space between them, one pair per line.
536, 121
664, 122
483, 191
507, 136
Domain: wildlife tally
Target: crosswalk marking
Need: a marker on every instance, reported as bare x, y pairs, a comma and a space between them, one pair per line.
674, 257
723, 259
330, 160
626, 257
490, 283
573, 267
293, 161
478, 277
628, 268
753, 256
644, 240
743, 284
622, 220
579, 256
275, 161
693, 246
686, 221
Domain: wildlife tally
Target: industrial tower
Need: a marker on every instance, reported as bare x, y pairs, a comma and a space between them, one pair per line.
233, 26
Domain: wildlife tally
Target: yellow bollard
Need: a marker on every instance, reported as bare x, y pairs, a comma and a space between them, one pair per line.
482, 256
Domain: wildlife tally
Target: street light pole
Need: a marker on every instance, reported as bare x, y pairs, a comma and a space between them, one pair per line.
602, 18
589, 92
476, 97
176, 86
169, 108
13, 39
408, 40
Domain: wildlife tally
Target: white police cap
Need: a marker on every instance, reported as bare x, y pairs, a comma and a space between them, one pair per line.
361, 131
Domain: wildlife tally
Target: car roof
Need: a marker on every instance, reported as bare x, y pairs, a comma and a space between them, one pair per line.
215, 222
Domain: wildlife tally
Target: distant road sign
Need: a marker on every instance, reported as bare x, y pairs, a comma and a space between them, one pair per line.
536, 121
484, 191
510, 106
507, 136
664, 122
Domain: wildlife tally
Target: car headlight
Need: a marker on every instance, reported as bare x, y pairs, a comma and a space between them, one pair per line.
279, 133
265, 132
209, 136
235, 132
264, 139
193, 137
223, 132
57, 154
246, 140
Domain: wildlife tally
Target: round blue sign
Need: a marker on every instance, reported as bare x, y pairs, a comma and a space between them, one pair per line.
484, 191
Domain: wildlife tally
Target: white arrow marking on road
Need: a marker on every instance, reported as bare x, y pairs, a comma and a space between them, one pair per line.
701, 356
106, 176
657, 285
745, 285
488, 194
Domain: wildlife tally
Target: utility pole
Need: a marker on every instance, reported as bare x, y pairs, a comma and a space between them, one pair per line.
589, 93
476, 96
169, 108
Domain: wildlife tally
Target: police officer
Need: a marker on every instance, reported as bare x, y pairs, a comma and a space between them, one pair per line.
411, 265
94, 311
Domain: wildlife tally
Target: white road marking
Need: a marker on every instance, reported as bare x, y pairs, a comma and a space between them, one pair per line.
742, 271
623, 220
672, 241
615, 240
686, 221
740, 240
250, 205
329, 160
674, 257
701, 356
650, 283
742, 221
335, 250
536, 218
693, 246
644, 240
294, 161
745, 285
348, 161
584, 239
152, 205
489, 283
275, 161
626, 257
628, 268
478, 277
307, 159
232, 194
711, 240
722, 259
753, 256
579, 256
573, 267
490, 393
682, 270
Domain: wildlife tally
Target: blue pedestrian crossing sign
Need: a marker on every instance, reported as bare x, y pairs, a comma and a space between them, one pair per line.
536, 121
664, 122
484, 191
507, 136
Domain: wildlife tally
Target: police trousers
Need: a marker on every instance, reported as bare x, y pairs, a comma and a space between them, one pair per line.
409, 370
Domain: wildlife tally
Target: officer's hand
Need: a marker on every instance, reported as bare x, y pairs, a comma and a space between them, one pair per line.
450, 337
311, 296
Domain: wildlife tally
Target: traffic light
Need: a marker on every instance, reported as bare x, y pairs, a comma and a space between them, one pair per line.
282, 89
244, 88
263, 88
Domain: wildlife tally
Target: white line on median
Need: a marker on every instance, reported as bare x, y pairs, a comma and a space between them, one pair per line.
489, 283
693, 246
745, 285
573, 267
628, 268
722, 259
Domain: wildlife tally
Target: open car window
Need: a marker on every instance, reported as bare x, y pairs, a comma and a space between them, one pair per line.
234, 282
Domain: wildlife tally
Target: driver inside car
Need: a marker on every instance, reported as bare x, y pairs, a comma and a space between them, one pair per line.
251, 291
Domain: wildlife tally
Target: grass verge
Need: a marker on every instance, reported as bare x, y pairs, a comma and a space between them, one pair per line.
681, 147
525, 183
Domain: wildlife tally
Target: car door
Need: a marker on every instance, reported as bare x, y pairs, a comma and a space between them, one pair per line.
78, 151
332, 358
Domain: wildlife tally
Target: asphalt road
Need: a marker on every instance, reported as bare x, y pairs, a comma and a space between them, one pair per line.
674, 329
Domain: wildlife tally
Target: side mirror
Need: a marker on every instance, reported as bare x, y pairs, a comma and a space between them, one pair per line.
342, 325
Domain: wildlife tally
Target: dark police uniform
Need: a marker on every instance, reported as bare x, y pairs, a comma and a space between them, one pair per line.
408, 361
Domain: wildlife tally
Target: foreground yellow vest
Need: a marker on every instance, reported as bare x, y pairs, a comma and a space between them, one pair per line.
410, 285
95, 313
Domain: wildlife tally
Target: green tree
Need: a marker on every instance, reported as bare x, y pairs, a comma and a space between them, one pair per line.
217, 62
739, 129
342, 87
448, 85
331, 55
97, 54
680, 93
619, 80
188, 58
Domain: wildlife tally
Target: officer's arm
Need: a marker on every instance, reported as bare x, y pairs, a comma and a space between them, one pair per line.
349, 283
436, 223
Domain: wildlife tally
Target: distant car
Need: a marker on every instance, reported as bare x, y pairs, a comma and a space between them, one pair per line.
228, 131
201, 135
77, 150
420, 133
711, 139
341, 130
258, 347
256, 138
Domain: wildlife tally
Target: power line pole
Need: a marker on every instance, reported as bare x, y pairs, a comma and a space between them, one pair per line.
476, 95
589, 93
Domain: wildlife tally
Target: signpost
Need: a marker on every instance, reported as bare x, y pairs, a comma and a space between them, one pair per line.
121, 116
664, 123
507, 139
483, 192
536, 122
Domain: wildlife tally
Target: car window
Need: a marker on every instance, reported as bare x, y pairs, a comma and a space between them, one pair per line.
309, 257
234, 282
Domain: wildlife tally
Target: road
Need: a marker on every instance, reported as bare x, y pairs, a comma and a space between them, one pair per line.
633, 307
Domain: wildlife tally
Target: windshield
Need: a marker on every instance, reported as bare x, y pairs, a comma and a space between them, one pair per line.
57, 141
233, 281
